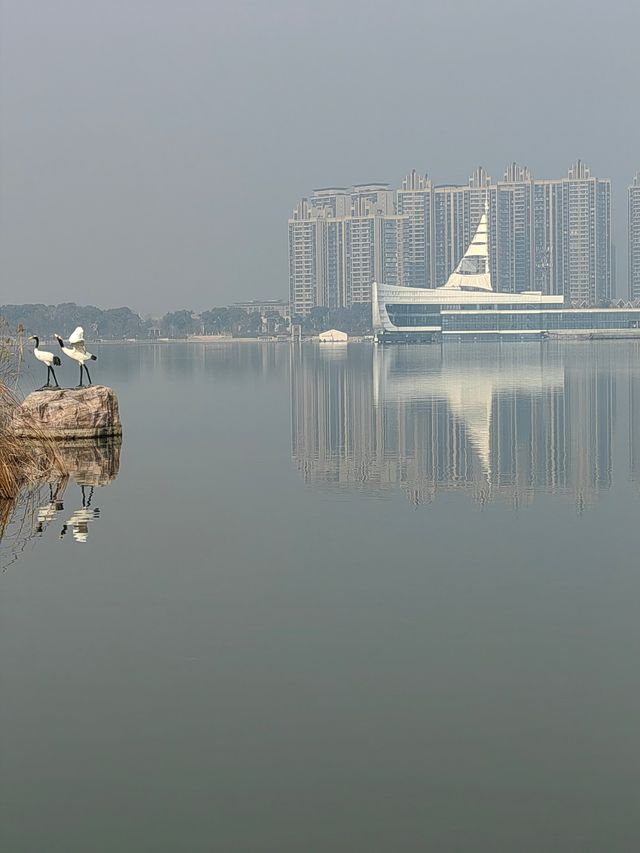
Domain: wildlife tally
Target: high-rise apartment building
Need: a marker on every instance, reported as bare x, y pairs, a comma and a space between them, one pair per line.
340, 241
415, 202
634, 238
303, 260
586, 245
547, 231
511, 234
547, 235
456, 213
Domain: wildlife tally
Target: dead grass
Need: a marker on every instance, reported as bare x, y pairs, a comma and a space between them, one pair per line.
23, 462
26, 465
12, 352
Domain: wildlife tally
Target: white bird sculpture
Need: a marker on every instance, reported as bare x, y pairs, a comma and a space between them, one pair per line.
47, 358
77, 351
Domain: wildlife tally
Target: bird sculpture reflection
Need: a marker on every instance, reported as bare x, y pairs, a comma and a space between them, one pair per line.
47, 358
47, 512
81, 519
77, 351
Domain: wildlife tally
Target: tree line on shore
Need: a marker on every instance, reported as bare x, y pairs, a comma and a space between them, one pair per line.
125, 324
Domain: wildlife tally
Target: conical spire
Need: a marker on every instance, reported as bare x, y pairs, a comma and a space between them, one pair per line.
472, 273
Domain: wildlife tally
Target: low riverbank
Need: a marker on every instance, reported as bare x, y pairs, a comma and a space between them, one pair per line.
224, 339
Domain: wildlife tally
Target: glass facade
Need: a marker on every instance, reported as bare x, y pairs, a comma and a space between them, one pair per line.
414, 315
485, 319
543, 321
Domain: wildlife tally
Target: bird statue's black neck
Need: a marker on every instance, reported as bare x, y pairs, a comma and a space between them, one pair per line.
37, 341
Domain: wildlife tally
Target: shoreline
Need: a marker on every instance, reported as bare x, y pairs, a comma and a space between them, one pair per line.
569, 335
222, 339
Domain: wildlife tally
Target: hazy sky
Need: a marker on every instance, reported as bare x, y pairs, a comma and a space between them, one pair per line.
152, 150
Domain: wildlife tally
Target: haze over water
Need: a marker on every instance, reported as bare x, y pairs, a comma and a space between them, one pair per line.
342, 598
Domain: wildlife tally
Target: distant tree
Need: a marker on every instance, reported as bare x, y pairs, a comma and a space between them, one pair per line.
219, 321
45, 320
179, 324
279, 323
232, 321
355, 320
249, 326
121, 323
317, 319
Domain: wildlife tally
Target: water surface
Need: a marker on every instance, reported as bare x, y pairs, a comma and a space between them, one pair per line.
340, 599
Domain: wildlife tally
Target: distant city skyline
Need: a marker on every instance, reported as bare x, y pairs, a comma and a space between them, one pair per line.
547, 234
150, 152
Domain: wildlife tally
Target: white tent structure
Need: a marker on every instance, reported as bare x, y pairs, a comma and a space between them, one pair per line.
333, 336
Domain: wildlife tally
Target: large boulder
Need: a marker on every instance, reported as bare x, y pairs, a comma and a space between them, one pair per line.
67, 413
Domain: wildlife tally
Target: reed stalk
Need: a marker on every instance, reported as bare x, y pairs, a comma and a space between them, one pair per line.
26, 465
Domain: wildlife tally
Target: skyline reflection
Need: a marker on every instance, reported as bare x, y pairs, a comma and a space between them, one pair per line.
494, 422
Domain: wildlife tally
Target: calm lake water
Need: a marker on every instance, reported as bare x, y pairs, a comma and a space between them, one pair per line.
337, 599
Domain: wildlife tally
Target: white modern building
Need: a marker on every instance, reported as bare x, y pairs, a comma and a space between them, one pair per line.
467, 308
552, 236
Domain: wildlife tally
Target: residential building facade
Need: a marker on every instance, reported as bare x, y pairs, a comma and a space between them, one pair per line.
633, 194
548, 235
341, 240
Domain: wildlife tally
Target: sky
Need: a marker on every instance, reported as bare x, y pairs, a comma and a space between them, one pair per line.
151, 151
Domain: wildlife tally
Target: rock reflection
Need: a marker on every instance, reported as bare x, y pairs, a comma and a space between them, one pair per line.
492, 422
91, 462
87, 465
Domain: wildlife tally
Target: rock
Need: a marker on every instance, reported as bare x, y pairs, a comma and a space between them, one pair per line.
90, 412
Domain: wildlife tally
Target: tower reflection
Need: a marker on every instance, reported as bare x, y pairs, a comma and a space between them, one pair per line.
495, 422
633, 363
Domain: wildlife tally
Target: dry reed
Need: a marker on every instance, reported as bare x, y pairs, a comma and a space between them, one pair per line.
23, 462
26, 465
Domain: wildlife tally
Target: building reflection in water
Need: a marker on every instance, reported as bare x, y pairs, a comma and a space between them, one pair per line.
494, 422
633, 362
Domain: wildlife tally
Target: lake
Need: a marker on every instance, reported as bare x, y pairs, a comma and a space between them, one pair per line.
337, 598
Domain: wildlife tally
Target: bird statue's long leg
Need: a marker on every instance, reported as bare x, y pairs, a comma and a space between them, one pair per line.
86, 370
48, 385
80, 385
55, 378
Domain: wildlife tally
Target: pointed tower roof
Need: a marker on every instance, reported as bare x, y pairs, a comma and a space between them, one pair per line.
472, 273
